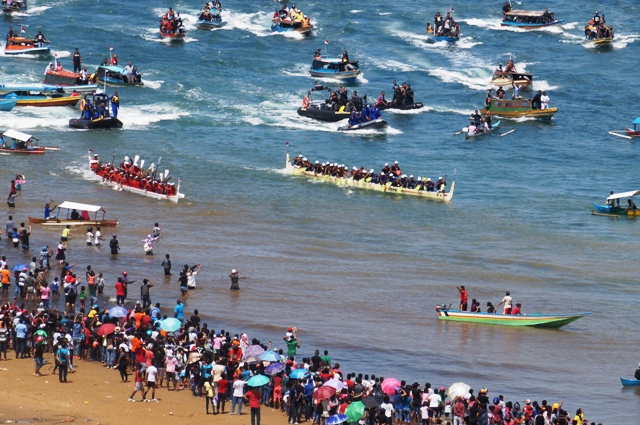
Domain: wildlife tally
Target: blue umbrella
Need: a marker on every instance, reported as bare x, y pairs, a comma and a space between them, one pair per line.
257, 381
19, 267
118, 311
298, 373
270, 356
274, 368
336, 419
170, 325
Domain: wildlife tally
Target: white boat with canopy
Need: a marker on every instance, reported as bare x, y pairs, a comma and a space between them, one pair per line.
75, 214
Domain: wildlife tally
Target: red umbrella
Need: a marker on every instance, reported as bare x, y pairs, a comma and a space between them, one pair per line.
389, 385
106, 329
324, 392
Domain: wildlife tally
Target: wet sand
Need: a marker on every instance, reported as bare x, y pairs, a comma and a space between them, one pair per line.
94, 395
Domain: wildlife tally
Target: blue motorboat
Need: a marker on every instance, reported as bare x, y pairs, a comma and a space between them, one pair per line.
337, 68
444, 28
116, 76
209, 19
8, 102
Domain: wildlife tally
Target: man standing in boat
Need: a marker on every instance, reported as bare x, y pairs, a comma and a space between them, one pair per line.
40, 40
507, 301
115, 104
463, 297
77, 60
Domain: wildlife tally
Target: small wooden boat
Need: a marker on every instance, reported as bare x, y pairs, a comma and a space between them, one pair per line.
116, 76
376, 124
288, 25
22, 45
635, 132
54, 75
361, 184
23, 143
532, 320
613, 207
8, 102
529, 19
479, 134
14, 6
150, 183
335, 68
630, 382
506, 79
39, 95
508, 108
75, 214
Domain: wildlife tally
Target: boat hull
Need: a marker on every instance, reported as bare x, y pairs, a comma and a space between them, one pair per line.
63, 222
8, 103
632, 133
48, 101
341, 181
494, 126
31, 151
104, 123
335, 116
601, 42
180, 36
279, 26
521, 112
208, 25
376, 124
607, 209
526, 26
28, 51
529, 320
346, 76
630, 382
445, 38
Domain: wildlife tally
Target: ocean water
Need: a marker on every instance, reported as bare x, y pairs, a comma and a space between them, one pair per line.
360, 273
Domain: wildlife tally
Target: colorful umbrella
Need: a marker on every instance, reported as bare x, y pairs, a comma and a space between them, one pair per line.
335, 383
19, 267
389, 385
274, 368
118, 312
355, 411
106, 329
170, 325
253, 351
325, 392
270, 356
298, 374
336, 419
258, 381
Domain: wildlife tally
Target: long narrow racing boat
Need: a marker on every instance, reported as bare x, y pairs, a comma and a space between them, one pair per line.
130, 177
386, 188
532, 320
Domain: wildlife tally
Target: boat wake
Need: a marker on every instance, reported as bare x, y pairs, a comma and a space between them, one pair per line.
250, 22
61, 53
81, 169
143, 116
393, 65
622, 40
298, 70
495, 25
474, 78
32, 117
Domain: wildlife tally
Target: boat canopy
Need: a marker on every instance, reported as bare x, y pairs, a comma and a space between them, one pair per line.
113, 68
624, 195
18, 135
29, 87
532, 13
80, 207
636, 121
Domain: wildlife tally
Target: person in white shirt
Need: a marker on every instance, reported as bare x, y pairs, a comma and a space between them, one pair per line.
507, 301
472, 129
150, 377
191, 276
98, 237
90, 236
238, 395
544, 100
388, 410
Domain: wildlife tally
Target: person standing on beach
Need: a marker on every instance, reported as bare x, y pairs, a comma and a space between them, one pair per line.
208, 395
114, 245
62, 358
463, 297
150, 377
507, 301
38, 354
138, 385
254, 397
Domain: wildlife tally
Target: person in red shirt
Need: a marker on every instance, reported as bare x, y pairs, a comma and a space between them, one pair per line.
516, 309
528, 411
222, 386
254, 397
463, 298
120, 292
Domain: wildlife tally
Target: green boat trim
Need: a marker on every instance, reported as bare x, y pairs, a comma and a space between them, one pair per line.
532, 320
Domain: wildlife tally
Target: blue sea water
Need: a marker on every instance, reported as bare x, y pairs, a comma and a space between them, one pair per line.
359, 273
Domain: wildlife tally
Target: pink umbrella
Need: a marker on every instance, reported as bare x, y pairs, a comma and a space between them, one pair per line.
334, 383
389, 385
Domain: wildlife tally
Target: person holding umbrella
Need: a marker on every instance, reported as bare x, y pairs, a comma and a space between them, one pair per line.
254, 397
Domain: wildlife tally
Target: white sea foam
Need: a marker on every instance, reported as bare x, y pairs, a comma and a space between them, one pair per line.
61, 53
384, 13
355, 11
473, 78
393, 65
137, 117
153, 84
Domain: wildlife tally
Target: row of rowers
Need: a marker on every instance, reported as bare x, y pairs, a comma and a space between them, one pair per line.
133, 176
390, 175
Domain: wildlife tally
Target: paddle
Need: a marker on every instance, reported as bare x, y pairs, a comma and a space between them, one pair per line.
142, 164
508, 132
463, 130
135, 160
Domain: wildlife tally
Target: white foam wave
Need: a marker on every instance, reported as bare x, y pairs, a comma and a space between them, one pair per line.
393, 65
251, 22
543, 85
370, 132
384, 13
83, 171
621, 41
38, 10
467, 43
469, 77
355, 11
61, 53
299, 70
153, 84
136, 117
33, 118
495, 24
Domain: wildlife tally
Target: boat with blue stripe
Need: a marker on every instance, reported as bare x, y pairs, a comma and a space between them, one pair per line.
612, 205
336, 68
209, 17
116, 76
8, 102
530, 19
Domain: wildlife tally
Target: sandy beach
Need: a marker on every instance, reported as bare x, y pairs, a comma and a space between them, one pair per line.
95, 395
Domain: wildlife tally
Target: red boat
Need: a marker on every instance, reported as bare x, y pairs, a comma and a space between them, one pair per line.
635, 132
23, 143
172, 29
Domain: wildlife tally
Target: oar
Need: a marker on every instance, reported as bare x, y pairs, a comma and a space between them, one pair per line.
142, 164
51, 148
463, 130
620, 135
135, 160
508, 132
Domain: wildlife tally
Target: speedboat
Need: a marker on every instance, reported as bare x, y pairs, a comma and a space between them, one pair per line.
22, 46
39, 95
115, 76
336, 68
209, 18
14, 6
444, 28
376, 124
168, 32
96, 122
288, 24
56, 76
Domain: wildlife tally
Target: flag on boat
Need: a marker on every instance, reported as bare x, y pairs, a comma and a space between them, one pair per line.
287, 143
451, 10
23, 29
326, 42
110, 48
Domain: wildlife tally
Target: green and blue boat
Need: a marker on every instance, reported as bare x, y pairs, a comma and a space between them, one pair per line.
532, 320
